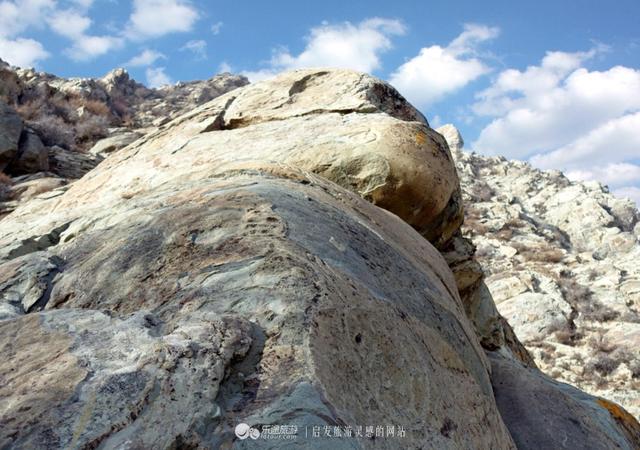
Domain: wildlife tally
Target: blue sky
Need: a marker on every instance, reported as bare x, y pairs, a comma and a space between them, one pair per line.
553, 82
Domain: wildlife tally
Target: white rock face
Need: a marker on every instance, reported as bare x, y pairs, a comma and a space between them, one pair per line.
236, 265
241, 286
561, 260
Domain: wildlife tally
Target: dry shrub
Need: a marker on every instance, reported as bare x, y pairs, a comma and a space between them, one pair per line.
574, 293
97, 108
600, 344
6, 193
606, 362
53, 130
91, 128
31, 109
505, 234
581, 298
546, 255
566, 333
603, 364
473, 220
481, 191
634, 367
597, 312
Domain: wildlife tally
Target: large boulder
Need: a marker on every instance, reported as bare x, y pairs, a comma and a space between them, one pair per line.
10, 130
350, 128
71, 164
32, 155
113, 143
543, 413
228, 270
290, 285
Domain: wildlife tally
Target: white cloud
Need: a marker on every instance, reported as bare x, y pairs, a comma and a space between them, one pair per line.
145, 58
197, 47
154, 18
631, 192
217, 27
549, 106
74, 25
15, 17
18, 15
563, 116
156, 77
613, 174
22, 52
343, 45
86, 48
437, 71
259, 75
616, 139
69, 23
225, 67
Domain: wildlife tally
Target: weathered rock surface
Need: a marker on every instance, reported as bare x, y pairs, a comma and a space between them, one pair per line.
72, 124
32, 156
562, 416
69, 164
228, 268
10, 129
561, 261
359, 296
115, 142
127, 376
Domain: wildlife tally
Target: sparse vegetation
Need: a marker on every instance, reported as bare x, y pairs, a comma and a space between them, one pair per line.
606, 363
53, 130
5, 187
69, 121
546, 255
482, 192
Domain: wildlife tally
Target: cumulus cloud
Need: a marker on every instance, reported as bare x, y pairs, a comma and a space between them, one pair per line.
563, 116
259, 75
69, 23
90, 47
74, 25
156, 77
154, 18
22, 52
437, 71
15, 17
145, 58
344, 45
197, 47
18, 15
617, 138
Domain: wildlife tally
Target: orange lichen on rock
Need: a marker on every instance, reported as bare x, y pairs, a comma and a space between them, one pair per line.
628, 423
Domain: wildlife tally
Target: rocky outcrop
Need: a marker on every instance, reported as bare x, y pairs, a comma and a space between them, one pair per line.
10, 129
229, 269
32, 155
561, 264
67, 126
118, 139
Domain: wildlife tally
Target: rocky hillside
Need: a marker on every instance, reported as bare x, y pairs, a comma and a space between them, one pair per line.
286, 255
61, 128
561, 263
